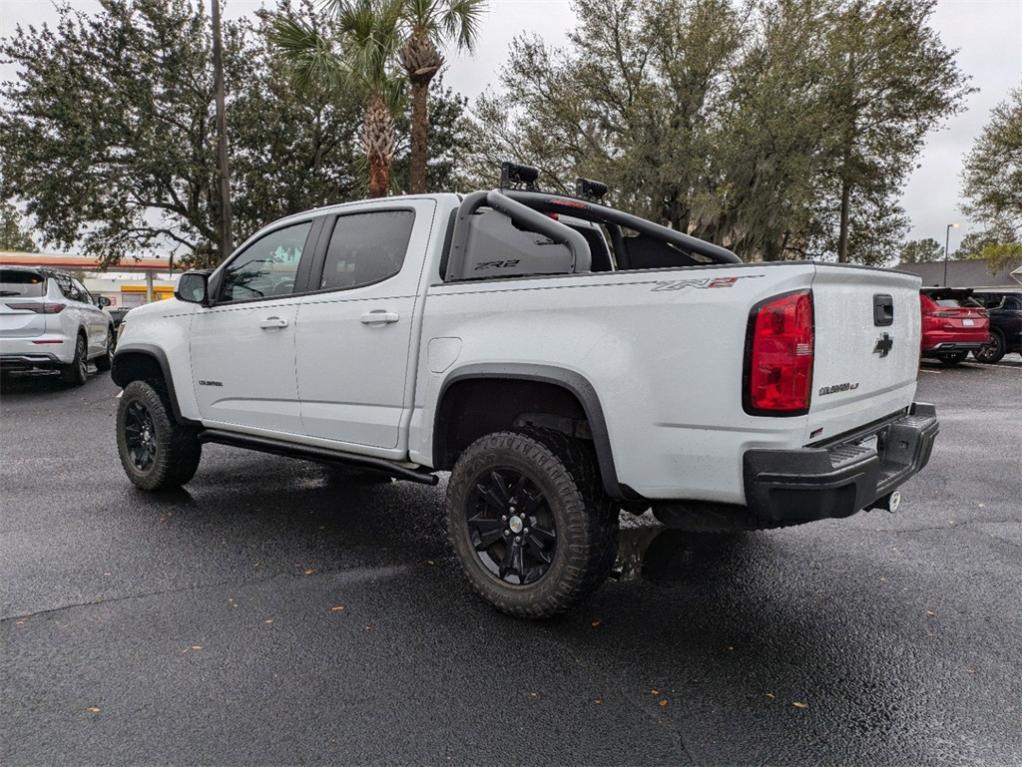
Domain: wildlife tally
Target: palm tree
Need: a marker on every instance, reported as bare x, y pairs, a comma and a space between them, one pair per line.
357, 50
429, 24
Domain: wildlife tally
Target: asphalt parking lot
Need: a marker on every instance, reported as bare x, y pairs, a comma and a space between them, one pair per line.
270, 614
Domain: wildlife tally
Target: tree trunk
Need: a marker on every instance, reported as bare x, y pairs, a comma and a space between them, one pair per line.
379, 174
421, 61
378, 140
842, 238
420, 124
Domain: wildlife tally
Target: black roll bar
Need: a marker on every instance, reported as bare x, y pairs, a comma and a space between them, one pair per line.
522, 215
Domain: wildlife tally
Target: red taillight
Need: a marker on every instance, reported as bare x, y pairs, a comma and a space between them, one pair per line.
38, 308
779, 356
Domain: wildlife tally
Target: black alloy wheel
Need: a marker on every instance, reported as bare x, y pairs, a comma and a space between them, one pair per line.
140, 436
156, 450
529, 522
992, 352
511, 526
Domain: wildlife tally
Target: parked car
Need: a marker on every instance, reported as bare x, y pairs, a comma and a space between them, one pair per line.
953, 324
117, 314
550, 352
48, 320
1005, 310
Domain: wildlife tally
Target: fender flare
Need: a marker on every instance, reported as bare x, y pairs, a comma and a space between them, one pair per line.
573, 382
159, 356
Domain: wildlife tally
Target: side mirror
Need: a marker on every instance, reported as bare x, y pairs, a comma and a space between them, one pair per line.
102, 302
192, 287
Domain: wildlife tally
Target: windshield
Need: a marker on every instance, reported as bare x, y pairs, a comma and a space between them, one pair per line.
14, 282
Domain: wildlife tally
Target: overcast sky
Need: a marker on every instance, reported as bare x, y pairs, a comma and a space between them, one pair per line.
987, 33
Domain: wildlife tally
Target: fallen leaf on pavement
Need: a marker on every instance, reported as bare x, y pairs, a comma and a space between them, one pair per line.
663, 703
93, 709
598, 701
268, 620
309, 571
654, 691
770, 695
337, 609
796, 704
596, 623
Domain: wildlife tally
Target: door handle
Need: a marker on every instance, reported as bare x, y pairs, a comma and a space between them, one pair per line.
273, 323
379, 317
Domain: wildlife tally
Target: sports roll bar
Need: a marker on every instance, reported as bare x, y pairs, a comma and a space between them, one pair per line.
520, 214
571, 206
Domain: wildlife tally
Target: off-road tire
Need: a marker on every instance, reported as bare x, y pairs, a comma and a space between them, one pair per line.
105, 360
565, 470
177, 448
76, 373
992, 352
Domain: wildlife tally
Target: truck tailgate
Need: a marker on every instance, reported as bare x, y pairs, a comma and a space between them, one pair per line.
866, 347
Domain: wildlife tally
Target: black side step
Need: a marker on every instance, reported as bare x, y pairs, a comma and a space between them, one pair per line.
318, 454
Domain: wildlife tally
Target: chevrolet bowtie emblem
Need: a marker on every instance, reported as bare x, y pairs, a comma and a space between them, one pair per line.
884, 345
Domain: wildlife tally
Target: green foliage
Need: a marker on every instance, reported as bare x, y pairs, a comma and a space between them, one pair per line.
353, 50
993, 186
12, 236
450, 141
973, 244
782, 129
109, 136
921, 251
443, 20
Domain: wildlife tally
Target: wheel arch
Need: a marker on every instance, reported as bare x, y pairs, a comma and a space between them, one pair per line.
495, 378
145, 362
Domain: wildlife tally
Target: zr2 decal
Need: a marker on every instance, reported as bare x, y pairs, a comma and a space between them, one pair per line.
508, 264
710, 282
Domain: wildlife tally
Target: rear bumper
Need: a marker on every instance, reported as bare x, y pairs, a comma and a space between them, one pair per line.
950, 347
791, 486
45, 351
27, 361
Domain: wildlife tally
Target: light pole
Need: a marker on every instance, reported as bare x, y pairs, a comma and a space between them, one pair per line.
947, 240
226, 241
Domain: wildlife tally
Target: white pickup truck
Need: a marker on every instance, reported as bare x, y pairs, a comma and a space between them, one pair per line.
562, 359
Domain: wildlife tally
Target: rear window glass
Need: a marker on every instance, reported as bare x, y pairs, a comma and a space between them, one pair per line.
366, 248
18, 283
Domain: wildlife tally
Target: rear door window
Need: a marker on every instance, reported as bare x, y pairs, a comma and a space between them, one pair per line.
16, 283
82, 292
366, 248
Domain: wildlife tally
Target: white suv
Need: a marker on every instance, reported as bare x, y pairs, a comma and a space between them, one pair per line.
48, 320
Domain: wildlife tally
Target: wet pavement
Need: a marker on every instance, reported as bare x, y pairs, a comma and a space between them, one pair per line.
271, 613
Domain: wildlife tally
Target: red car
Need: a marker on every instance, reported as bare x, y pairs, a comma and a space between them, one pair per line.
953, 324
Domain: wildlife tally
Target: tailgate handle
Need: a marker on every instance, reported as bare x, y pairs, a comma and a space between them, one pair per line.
883, 310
